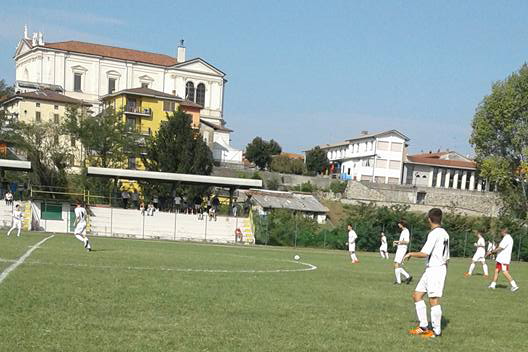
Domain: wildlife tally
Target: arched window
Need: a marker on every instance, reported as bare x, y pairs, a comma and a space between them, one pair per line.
189, 91
200, 94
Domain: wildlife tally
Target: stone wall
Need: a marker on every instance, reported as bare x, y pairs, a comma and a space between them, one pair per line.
424, 198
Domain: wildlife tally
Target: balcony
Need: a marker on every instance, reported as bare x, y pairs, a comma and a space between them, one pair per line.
138, 111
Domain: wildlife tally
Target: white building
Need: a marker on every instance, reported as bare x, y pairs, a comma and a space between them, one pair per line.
446, 169
87, 71
374, 157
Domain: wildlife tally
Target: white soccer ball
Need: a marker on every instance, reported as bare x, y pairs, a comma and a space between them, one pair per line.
296, 257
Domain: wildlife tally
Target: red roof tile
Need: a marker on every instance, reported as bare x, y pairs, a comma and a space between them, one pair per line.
422, 159
113, 52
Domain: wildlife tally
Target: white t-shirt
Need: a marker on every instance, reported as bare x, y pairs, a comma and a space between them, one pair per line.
383, 241
481, 247
404, 236
504, 256
17, 215
352, 236
80, 215
437, 247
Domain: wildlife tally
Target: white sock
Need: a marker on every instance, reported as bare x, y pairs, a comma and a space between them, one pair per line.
436, 319
406, 274
493, 284
398, 277
382, 254
471, 268
485, 268
421, 312
387, 255
354, 258
513, 283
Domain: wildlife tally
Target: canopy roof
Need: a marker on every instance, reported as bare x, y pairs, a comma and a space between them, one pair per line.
18, 165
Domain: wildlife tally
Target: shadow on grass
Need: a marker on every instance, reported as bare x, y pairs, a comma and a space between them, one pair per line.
444, 323
501, 286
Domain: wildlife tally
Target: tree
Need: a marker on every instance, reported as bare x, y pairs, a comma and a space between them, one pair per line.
316, 160
260, 152
284, 164
179, 148
500, 139
106, 139
5, 89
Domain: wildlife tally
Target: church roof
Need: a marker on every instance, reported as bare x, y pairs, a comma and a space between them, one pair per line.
114, 52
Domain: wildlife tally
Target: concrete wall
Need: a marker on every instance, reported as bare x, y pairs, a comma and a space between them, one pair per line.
423, 198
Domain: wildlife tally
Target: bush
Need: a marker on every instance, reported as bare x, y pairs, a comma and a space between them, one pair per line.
338, 186
283, 164
307, 187
273, 184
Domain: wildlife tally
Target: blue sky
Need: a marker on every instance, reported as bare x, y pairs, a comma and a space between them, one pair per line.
310, 72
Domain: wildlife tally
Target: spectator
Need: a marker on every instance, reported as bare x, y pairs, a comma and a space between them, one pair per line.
197, 205
142, 208
8, 198
235, 210
212, 213
238, 235
135, 199
125, 195
155, 201
247, 204
150, 209
177, 203
215, 203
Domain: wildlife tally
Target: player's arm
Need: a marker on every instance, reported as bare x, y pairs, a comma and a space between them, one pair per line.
495, 251
415, 255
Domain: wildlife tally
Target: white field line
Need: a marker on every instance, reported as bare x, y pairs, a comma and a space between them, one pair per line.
21, 260
309, 267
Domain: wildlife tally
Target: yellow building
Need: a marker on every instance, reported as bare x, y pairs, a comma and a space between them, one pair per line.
43, 106
144, 110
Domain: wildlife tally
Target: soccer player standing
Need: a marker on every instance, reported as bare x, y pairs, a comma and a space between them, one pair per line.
383, 247
17, 221
352, 236
80, 226
479, 256
436, 250
401, 250
504, 251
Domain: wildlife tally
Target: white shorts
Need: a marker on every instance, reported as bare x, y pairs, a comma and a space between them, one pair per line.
432, 281
383, 248
351, 247
80, 228
17, 224
479, 257
400, 253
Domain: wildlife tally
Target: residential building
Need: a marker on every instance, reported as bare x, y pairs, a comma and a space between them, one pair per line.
373, 157
88, 71
445, 169
43, 106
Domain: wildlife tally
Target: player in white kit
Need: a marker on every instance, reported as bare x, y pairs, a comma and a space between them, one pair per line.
479, 256
383, 248
504, 251
80, 226
436, 250
401, 250
17, 221
352, 236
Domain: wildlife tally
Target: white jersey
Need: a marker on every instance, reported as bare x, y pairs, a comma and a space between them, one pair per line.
17, 215
352, 236
437, 247
383, 243
504, 256
80, 215
481, 247
404, 237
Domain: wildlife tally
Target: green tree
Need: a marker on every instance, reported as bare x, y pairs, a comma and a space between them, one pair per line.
260, 152
500, 139
284, 164
316, 160
106, 139
5, 89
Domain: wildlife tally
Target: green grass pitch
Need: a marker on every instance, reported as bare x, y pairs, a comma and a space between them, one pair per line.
133, 295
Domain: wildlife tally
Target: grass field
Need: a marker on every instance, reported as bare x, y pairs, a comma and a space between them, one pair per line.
133, 295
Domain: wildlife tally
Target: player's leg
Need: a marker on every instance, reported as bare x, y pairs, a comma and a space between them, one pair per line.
484, 267
510, 279
11, 229
495, 276
19, 227
421, 311
470, 271
436, 315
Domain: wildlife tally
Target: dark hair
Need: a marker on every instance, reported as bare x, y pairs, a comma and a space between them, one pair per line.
435, 215
505, 228
402, 222
349, 224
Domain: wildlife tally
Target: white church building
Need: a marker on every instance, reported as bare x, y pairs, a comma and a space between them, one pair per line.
88, 71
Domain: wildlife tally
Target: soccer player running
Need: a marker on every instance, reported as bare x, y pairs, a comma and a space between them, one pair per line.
352, 236
436, 250
80, 226
401, 250
17, 221
504, 251
479, 256
383, 248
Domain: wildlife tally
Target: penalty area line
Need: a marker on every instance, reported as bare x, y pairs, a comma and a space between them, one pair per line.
22, 259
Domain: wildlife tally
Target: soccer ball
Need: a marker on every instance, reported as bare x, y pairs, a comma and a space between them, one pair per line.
296, 257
